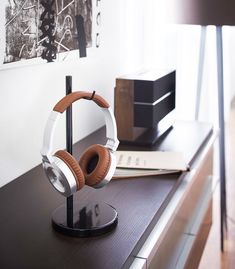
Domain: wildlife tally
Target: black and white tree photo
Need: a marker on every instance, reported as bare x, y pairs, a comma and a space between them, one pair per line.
46, 28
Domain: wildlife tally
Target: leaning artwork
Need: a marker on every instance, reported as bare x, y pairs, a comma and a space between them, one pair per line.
46, 28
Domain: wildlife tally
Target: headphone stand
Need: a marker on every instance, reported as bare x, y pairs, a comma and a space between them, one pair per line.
81, 219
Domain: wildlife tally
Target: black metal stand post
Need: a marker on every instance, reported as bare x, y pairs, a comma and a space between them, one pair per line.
69, 146
83, 218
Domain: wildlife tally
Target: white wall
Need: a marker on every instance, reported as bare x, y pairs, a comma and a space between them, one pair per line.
29, 93
231, 59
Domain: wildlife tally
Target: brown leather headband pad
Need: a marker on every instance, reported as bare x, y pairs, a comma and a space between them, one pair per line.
65, 102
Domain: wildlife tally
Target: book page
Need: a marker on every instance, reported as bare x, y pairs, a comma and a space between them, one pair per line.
151, 160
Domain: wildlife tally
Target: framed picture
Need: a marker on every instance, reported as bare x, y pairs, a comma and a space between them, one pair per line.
49, 30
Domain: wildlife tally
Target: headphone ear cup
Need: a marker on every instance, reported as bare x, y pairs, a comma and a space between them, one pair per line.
95, 163
73, 166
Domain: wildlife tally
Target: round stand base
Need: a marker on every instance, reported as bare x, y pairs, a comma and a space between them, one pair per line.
89, 219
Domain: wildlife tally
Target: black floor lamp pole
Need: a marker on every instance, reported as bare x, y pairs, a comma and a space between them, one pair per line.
223, 204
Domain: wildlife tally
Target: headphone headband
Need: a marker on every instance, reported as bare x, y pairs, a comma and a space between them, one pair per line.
62, 105
65, 102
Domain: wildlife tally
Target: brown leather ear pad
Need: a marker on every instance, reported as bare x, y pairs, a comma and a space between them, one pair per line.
95, 163
73, 165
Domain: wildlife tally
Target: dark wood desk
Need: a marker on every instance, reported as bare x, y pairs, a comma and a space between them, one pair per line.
27, 239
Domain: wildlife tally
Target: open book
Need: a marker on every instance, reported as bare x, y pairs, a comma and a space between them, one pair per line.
148, 163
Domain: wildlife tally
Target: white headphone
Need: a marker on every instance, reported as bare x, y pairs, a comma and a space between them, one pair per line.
96, 165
